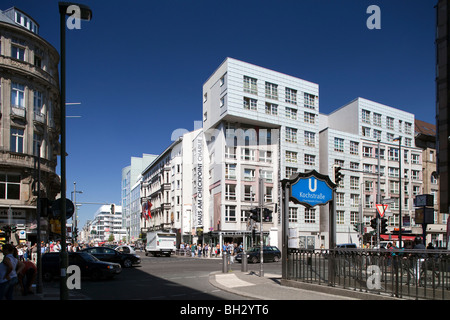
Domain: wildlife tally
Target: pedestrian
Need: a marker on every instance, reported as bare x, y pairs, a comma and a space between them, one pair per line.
12, 267
27, 276
193, 248
199, 250
418, 245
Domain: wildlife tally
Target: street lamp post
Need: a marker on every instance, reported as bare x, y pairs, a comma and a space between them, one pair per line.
85, 14
400, 200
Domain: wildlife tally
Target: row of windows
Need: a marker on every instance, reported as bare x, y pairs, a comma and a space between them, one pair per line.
248, 174
18, 98
249, 193
369, 151
308, 137
250, 85
378, 135
375, 119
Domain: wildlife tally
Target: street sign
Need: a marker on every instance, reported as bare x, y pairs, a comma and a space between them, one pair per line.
56, 208
311, 189
381, 208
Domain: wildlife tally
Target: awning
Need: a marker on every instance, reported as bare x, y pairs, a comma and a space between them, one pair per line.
395, 237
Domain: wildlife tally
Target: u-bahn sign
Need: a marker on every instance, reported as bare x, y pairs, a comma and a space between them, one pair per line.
311, 188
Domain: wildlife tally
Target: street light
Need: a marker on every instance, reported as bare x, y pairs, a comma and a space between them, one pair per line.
73, 196
82, 12
400, 200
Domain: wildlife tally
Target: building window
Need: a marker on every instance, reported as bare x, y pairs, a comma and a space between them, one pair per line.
250, 104
248, 154
377, 119
340, 199
290, 171
309, 100
310, 215
249, 174
291, 156
271, 108
340, 217
230, 152
354, 200
309, 117
376, 134
310, 139
367, 152
291, 113
18, 95
310, 160
365, 116
267, 175
365, 132
37, 145
230, 171
271, 91
393, 154
9, 186
293, 214
250, 85
390, 123
354, 183
17, 53
291, 135
230, 213
354, 148
338, 144
291, 96
249, 195
17, 140
408, 127
37, 102
265, 156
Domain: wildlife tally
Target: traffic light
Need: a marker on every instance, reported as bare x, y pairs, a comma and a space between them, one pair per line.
254, 215
13, 229
356, 227
383, 225
373, 223
113, 208
267, 215
337, 174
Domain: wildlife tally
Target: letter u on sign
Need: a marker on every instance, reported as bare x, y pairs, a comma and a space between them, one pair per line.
315, 185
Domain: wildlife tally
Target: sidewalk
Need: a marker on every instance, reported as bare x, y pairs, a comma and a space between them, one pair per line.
251, 285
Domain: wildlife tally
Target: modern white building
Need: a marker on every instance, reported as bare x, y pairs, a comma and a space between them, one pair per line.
349, 138
107, 223
259, 123
131, 177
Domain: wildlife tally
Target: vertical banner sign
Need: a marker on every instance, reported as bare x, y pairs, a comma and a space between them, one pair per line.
199, 181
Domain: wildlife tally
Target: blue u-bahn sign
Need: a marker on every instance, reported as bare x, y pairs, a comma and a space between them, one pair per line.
311, 189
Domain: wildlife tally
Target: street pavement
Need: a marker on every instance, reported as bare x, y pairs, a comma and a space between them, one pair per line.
244, 283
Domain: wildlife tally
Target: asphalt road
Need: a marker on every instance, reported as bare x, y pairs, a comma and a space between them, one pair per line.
165, 278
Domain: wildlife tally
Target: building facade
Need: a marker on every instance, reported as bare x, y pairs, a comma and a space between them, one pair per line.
131, 211
259, 123
106, 225
30, 128
371, 153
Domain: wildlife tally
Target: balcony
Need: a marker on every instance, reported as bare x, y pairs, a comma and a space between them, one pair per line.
18, 112
39, 118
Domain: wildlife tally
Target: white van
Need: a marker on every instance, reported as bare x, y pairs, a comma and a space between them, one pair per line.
160, 243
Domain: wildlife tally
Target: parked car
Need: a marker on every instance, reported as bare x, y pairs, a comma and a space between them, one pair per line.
346, 246
126, 260
89, 265
270, 253
125, 249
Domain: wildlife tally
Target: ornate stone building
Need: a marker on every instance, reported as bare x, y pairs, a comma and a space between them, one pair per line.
29, 124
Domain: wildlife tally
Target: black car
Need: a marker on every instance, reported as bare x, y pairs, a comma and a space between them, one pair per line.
126, 260
270, 253
89, 265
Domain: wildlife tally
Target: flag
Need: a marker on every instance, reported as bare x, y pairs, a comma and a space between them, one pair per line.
149, 206
144, 210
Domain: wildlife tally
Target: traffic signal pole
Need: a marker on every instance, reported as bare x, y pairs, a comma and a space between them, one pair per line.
261, 241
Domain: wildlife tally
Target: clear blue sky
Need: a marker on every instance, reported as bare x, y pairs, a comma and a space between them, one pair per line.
138, 67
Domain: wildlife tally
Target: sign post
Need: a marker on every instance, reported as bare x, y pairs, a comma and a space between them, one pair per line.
308, 189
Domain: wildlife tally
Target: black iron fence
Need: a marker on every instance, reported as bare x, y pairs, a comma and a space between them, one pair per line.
409, 274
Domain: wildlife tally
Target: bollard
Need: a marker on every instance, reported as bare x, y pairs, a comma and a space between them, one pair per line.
224, 263
244, 266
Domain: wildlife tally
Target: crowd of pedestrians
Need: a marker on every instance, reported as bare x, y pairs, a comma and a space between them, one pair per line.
207, 251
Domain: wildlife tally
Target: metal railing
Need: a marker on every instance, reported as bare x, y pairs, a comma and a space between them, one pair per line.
408, 274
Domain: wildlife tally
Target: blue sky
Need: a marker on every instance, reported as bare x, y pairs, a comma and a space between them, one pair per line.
138, 67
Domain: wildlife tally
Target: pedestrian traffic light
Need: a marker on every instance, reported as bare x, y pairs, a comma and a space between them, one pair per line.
267, 215
383, 225
373, 223
254, 214
337, 174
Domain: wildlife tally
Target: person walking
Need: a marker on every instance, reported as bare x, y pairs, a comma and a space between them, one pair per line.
12, 267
